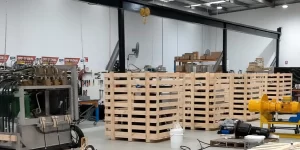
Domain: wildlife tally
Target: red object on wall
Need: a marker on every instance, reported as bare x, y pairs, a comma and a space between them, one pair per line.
49, 60
4, 58
72, 61
86, 59
22, 59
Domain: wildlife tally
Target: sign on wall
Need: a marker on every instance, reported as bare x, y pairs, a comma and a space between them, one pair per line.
49, 60
28, 60
4, 58
72, 61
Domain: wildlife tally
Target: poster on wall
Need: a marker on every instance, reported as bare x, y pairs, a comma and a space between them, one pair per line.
49, 60
3, 58
71, 61
28, 60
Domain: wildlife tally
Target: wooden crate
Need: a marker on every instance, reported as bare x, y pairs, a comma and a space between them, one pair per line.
204, 105
243, 88
141, 105
277, 85
274, 85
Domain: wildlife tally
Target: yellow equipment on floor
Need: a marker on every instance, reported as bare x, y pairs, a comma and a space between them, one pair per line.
269, 108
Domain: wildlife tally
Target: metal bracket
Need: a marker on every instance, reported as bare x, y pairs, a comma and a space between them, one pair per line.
68, 119
43, 122
55, 121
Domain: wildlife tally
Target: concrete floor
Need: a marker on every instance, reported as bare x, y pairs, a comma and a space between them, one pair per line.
96, 137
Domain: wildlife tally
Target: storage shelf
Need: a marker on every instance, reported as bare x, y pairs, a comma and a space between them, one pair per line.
196, 60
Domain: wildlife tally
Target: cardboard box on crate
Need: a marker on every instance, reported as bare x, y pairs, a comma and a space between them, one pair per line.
141, 105
204, 104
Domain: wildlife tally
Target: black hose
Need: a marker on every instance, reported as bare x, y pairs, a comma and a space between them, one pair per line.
201, 147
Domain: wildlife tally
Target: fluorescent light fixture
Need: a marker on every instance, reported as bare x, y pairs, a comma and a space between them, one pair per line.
216, 2
219, 7
196, 5
285, 6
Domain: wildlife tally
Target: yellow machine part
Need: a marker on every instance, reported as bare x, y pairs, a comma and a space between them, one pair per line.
265, 105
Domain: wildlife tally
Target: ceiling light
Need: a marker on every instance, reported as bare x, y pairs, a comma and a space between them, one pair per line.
216, 2
285, 6
219, 7
196, 5
166, 0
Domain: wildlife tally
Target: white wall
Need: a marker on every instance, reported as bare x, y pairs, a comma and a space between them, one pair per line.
243, 48
53, 28
161, 39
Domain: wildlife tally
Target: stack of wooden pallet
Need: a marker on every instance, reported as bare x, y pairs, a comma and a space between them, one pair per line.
141, 105
204, 104
145, 105
243, 88
277, 85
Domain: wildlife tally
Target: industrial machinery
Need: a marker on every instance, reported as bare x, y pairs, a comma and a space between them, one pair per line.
241, 129
38, 107
270, 110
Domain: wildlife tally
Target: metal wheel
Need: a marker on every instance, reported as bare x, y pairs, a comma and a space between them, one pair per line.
76, 135
95, 123
89, 147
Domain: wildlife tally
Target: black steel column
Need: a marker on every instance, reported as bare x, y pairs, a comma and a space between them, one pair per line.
224, 61
121, 37
278, 47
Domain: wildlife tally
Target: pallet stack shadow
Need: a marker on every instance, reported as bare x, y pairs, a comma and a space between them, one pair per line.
243, 87
141, 106
204, 104
276, 85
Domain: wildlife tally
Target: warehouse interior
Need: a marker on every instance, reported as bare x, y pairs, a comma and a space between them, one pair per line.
149, 74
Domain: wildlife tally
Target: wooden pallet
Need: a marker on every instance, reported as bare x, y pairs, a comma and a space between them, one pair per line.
277, 85
141, 106
233, 143
204, 104
277, 146
145, 105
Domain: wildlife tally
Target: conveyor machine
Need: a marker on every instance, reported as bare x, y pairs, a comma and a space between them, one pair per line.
38, 107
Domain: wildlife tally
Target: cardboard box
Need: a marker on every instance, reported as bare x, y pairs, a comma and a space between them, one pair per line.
195, 55
215, 55
203, 57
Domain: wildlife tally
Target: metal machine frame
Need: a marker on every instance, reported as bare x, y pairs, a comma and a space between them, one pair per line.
269, 111
54, 125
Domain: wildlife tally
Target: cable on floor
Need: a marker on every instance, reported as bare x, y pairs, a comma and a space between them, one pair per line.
201, 147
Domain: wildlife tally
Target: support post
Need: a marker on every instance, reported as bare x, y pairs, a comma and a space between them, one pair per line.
224, 60
278, 47
121, 37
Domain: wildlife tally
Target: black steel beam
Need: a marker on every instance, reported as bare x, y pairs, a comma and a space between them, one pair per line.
162, 11
278, 47
121, 27
267, 3
239, 3
224, 60
110, 3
